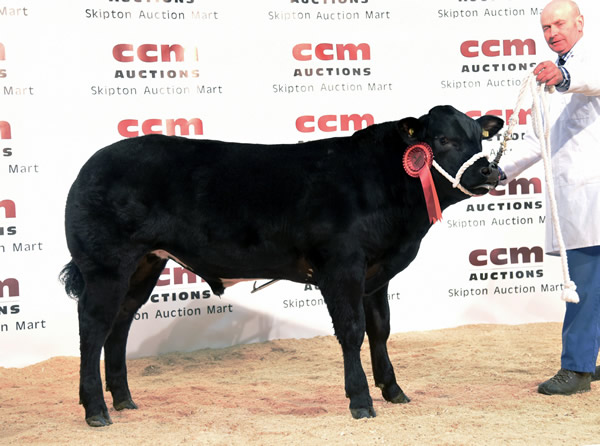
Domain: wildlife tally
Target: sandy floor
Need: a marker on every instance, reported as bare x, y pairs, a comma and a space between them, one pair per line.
468, 385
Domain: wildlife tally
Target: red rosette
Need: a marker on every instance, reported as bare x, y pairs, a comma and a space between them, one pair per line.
416, 158
417, 161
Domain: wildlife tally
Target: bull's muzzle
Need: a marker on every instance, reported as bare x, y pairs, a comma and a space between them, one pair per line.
491, 175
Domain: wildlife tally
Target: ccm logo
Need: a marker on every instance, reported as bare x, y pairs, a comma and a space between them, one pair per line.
5, 132
130, 127
12, 285
329, 51
176, 277
495, 48
10, 209
148, 52
523, 116
520, 186
505, 256
332, 123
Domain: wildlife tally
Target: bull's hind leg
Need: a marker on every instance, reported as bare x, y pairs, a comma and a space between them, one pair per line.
98, 308
377, 314
140, 286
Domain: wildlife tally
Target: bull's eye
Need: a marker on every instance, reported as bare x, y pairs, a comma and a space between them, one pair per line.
443, 140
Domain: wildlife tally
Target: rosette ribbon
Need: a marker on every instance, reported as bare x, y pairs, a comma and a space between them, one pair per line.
417, 161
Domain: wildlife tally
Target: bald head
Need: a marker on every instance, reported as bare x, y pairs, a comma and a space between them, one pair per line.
562, 24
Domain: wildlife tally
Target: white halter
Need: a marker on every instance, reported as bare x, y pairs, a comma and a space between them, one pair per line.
456, 181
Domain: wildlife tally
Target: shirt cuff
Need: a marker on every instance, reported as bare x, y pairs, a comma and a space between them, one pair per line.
566, 82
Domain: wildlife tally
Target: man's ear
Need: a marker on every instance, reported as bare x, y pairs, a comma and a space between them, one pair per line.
490, 125
579, 21
411, 130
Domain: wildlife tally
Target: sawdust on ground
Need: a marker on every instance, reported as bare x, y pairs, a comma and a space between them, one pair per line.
469, 385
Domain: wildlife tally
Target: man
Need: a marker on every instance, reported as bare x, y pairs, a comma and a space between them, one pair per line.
575, 142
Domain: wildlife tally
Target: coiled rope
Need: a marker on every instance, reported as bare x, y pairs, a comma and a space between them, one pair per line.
541, 128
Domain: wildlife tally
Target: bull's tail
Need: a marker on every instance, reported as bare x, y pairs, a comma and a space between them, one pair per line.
72, 279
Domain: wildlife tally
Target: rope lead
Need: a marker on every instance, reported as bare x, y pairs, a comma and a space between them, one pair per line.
541, 127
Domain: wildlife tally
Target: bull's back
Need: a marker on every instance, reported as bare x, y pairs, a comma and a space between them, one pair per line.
142, 160
171, 181
264, 178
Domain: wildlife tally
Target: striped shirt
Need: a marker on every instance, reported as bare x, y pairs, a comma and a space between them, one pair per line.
566, 82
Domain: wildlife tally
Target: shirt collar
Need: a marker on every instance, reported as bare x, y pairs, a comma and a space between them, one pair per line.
565, 57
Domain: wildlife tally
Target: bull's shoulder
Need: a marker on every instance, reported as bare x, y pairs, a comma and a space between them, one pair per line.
383, 133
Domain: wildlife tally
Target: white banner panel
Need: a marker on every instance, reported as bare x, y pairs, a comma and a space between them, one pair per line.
76, 76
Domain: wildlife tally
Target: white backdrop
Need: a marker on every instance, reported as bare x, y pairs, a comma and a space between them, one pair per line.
76, 76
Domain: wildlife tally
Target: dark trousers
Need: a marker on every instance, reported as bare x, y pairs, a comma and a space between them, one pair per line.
581, 327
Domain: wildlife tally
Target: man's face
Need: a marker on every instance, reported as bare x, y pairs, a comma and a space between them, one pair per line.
562, 26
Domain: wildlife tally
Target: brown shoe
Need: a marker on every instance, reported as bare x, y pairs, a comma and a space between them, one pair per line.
566, 382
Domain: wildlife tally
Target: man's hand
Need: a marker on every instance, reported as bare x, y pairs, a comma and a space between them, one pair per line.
548, 73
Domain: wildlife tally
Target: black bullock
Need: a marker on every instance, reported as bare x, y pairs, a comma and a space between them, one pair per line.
339, 213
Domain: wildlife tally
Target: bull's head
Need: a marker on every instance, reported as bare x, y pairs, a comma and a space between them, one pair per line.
456, 142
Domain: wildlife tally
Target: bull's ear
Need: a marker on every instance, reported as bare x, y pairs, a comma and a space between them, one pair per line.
490, 125
410, 129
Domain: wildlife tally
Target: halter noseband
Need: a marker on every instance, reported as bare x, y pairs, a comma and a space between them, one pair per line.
456, 181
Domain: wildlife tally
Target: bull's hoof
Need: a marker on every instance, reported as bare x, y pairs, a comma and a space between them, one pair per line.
99, 420
357, 414
394, 394
127, 404
401, 398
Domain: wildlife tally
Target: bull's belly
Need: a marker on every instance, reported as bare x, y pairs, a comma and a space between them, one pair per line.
302, 273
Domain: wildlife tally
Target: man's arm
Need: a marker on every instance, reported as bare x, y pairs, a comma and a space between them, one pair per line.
521, 158
585, 78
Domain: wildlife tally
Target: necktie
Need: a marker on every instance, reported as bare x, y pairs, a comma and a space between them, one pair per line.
561, 61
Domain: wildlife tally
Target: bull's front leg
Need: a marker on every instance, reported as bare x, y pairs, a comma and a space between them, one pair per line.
377, 315
343, 290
